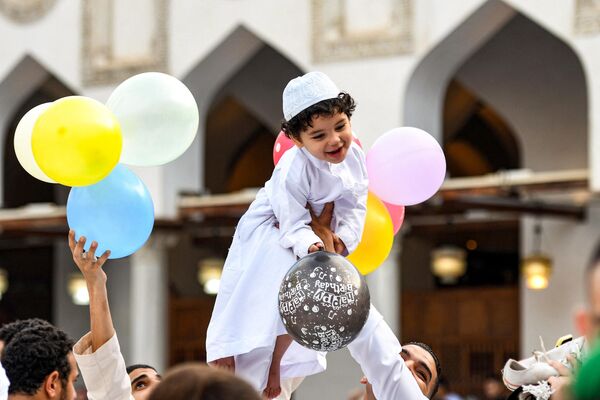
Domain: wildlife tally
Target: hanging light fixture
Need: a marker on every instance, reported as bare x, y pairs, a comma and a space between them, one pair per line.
209, 274
3, 282
78, 289
537, 267
449, 263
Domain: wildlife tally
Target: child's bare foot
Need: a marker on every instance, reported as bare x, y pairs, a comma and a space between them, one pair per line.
273, 388
227, 363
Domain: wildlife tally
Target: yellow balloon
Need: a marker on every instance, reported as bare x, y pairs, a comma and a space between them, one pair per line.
377, 238
76, 141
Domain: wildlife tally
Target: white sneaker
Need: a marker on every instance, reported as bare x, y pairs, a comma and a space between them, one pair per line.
536, 368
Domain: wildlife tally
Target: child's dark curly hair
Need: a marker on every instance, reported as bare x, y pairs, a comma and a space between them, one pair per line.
33, 354
344, 103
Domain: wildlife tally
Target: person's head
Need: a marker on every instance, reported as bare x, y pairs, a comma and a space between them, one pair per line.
39, 362
424, 366
8, 331
588, 319
194, 381
317, 116
144, 379
493, 388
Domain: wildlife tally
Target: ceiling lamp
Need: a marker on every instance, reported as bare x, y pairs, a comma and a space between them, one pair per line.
3, 282
537, 267
209, 274
448, 263
78, 289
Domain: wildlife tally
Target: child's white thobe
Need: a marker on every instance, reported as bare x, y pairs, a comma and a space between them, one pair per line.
269, 238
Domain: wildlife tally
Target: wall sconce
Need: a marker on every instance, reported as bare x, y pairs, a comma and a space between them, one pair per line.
3, 282
537, 267
209, 274
449, 263
78, 290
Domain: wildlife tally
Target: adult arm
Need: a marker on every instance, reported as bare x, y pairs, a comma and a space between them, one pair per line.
377, 351
98, 353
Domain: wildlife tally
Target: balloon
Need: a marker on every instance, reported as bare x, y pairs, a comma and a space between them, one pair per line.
282, 144
158, 116
76, 141
117, 212
357, 141
324, 301
377, 238
22, 143
397, 215
406, 166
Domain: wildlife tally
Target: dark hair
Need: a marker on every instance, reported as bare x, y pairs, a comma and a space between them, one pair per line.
133, 367
8, 331
195, 381
344, 103
35, 353
438, 366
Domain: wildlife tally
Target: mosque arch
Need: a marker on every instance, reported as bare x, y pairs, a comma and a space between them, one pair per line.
245, 69
499, 92
28, 84
531, 78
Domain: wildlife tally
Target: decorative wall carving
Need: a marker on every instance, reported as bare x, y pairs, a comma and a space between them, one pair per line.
25, 11
349, 29
112, 51
587, 17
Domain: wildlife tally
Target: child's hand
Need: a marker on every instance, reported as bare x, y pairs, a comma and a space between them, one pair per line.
315, 247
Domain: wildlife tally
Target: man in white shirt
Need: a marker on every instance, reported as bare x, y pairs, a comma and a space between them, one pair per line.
393, 371
98, 353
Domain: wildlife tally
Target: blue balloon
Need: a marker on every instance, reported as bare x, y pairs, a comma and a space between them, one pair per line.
116, 212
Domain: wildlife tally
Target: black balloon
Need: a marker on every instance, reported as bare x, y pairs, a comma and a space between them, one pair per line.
324, 301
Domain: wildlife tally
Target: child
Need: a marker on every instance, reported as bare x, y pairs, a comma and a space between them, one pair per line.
245, 333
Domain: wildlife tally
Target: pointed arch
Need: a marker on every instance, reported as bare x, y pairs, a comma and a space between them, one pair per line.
529, 76
28, 84
242, 66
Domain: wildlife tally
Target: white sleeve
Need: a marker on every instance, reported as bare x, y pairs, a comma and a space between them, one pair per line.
3, 384
289, 191
377, 350
103, 371
351, 210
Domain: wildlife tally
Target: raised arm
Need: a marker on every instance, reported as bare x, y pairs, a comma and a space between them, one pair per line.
98, 353
101, 325
377, 351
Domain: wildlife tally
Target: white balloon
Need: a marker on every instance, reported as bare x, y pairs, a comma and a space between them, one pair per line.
158, 116
22, 143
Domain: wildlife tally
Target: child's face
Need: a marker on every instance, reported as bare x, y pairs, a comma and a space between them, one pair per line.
328, 139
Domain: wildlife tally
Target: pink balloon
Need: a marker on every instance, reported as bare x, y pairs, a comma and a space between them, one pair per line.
406, 166
357, 141
397, 214
282, 144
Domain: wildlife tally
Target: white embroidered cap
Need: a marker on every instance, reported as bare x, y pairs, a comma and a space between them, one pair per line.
305, 91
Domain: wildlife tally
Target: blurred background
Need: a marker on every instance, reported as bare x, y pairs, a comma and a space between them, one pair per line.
495, 259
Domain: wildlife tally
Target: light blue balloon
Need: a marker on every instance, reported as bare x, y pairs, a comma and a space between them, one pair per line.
116, 212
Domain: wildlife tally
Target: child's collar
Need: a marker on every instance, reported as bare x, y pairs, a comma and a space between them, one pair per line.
321, 164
